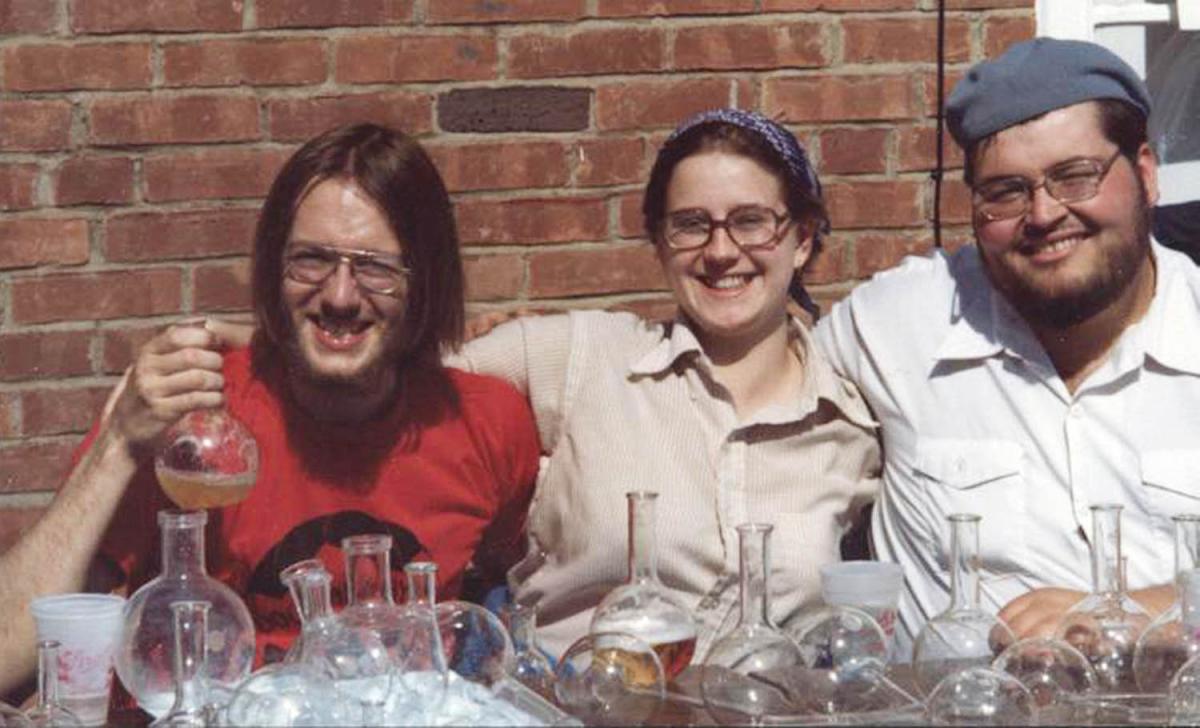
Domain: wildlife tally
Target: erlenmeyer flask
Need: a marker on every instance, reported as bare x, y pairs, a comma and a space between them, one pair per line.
736, 684
145, 659
531, 668
964, 635
190, 709
642, 607
1173, 637
354, 658
1106, 624
210, 459
48, 712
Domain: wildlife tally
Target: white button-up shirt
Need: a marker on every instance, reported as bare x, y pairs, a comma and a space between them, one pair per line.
623, 404
975, 419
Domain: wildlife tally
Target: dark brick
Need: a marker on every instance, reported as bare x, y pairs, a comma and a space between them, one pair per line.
518, 108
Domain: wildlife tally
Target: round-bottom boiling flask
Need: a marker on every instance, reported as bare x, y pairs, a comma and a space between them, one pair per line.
1173, 637
1056, 674
354, 658
47, 711
965, 635
531, 667
1106, 624
980, 696
145, 657
847, 649
476, 643
643, 607
191, 708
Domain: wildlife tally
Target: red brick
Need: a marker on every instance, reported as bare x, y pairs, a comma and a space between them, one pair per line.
299, 119
917, 150
903, 40
630, 222
509, 11
119, 346
96, 296
331, 13
956, 201
17, 186
120, 16
34, 126
826, 296
759, 45
610, 161
839, 5
493, 277
15, 522
27, 16
988, 4
956, 238
862, 204
155, 236
841, 98
654, 308
174, 120
929, 90
254, 62
62, 67
28, 467
637, 105
588, 52
873, 253
501, 166
830, 264
45, 355
853, 150
1002, 31
32, 242
530, 221
606, 269
222, 286
94, 181
634, 8
9, 407
211, 174
394, 59
61, 410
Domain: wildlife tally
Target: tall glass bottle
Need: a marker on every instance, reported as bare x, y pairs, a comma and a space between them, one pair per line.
1106, 624
730, 683
965, 635
190, 708
643, 607
48, 712
145, 660
1173, 637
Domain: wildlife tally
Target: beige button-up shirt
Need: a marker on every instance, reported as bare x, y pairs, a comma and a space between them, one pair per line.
623, 404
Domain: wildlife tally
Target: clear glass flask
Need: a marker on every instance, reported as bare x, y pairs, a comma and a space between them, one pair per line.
643, 607
736, 684
369, 601
980, 696
1056, 674
191, 708
610, 678
144, 658
1173, 637
47, 711
531, 666
965, 635
422, 675
1105, 625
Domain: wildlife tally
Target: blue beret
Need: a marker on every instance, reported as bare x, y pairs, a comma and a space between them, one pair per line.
1034, 77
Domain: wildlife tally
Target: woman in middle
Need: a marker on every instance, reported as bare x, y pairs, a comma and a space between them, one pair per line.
728, 411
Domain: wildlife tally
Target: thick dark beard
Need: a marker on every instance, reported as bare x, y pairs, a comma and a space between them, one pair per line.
1071, 309
346, 399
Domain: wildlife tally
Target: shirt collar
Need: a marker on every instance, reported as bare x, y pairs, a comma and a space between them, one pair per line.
1171, 328
982, 323
679, 343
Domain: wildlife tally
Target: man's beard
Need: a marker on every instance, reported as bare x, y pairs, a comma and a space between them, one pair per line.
1073, 307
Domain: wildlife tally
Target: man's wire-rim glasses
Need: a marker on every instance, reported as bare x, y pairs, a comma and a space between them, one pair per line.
375, 272
1074, 180
751, 227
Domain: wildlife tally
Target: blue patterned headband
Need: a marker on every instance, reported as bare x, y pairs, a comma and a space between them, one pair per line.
781, 140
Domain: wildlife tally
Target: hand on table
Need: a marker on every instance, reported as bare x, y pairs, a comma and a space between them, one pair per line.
1038, 612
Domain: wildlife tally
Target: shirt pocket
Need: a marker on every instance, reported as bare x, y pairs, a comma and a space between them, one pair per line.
1172, 482
983, 477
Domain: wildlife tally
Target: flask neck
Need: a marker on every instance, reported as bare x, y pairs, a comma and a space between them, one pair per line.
422, 584
522, 625
754, 565
183, 544
369, 575
964, 561
311, 594
191, 652
1189, 599
47, 675
1187, 543
1106, 549
643, 553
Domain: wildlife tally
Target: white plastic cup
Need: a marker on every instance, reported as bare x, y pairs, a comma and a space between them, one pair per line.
872, 586
88, 628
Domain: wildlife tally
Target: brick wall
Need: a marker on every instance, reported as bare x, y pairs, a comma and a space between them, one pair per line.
137, 137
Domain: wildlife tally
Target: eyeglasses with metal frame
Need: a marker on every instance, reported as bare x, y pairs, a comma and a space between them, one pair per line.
313, 264
1074, 180
751, 227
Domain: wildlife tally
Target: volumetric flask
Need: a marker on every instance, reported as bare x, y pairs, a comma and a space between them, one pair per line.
1173, 637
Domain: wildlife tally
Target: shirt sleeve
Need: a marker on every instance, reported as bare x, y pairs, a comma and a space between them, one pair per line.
837, 338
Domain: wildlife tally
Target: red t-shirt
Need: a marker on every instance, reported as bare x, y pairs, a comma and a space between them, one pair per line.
452, 487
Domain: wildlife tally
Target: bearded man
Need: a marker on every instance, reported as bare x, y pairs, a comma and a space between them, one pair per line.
1050, 367
357, 290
